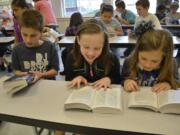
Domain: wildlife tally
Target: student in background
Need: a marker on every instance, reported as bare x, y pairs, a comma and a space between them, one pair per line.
151, 63
91, 59
98, 14
142, 7
45, 7
75, 21
34, 56
112, 25
161, 13
173, 16
127, 16
18, 7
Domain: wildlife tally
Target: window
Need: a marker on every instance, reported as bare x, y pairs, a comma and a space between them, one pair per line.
86, 7
131, 5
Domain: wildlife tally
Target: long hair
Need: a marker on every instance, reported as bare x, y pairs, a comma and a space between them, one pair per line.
89, 27
76, 19
154, 40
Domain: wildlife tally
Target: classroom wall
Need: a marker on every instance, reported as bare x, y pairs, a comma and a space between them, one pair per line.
64, 22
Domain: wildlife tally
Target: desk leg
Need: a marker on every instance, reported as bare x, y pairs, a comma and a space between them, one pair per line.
40, 131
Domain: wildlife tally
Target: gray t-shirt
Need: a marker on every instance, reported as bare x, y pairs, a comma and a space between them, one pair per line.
42, 58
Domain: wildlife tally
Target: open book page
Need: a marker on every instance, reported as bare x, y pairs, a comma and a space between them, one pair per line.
108, 101
81, 98
169, 101
143, 98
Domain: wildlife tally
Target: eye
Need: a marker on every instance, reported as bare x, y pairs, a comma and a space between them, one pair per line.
97, 49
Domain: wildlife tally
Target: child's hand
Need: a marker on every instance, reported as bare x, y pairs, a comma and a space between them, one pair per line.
161, 87
130, 85
36, 75
76, 82
102, 83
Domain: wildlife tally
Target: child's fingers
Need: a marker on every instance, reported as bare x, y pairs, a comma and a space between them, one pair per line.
84, 81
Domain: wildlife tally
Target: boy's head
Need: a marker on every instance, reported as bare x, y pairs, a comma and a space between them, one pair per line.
107, 12
161, 9
120, 5
142, 7
174, 6
31, 24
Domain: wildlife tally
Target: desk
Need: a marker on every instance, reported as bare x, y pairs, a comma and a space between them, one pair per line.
118, 42
6, 40
43, 105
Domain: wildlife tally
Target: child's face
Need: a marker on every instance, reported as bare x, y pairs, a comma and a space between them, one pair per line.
31, 36
119, 9
141, 11
150, 60
91, 46
17, 11
106, 16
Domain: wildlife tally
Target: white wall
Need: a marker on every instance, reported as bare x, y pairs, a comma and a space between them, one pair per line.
64, 22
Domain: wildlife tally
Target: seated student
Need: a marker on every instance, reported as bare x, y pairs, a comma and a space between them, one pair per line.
127, 17
45, 8
97, 14
161, 13
173, 16
34, 56
75, 20
18, 7
142, 20
91, 59
151, 63
112, 25
142, 7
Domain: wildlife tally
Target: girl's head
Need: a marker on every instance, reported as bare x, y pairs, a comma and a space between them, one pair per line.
18, 7
91, 43
142, 7
154, 50
76, 19
107, 12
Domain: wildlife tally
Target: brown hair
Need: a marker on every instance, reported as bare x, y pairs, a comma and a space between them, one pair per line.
33, 19
156, 40
143, 3
89, 27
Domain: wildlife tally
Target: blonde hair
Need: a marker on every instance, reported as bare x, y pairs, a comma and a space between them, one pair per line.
153, 40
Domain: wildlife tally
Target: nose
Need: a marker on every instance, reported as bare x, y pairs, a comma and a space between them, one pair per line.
147, 65
29, 40
90, 52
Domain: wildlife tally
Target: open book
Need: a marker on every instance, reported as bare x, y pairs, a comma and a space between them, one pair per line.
17, 83
101, 101
165, 101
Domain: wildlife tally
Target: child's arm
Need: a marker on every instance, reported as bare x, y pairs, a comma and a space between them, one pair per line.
119, 32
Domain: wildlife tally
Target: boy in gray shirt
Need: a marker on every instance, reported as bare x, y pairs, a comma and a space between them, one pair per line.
34, 56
